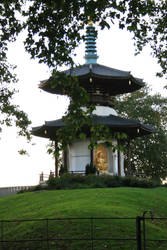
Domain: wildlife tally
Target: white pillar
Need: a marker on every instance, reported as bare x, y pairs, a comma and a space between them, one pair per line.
122, 164
115, 163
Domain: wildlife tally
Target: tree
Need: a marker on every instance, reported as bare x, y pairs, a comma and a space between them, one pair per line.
54, 28
10, 114
148, 153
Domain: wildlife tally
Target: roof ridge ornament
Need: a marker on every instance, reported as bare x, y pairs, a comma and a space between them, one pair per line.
90, 44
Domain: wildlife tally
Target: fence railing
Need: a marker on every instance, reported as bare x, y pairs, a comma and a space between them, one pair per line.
147, 237
82, 233
77, 172
13, 190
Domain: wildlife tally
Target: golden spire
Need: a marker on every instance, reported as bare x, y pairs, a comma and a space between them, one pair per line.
89, 21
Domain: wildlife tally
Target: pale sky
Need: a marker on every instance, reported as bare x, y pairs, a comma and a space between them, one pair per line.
115, 49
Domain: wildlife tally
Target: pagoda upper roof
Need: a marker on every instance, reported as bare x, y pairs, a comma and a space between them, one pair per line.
130, 127
98, 78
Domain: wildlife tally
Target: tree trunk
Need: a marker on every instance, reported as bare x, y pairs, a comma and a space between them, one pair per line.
65, 160
129, 156
56, 162
119, 160
91, 156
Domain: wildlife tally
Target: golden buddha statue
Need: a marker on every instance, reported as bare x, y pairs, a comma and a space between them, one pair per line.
100, 159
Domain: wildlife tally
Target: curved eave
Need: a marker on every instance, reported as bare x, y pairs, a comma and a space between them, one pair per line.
116, 124
48, 130
105, 79
130, 127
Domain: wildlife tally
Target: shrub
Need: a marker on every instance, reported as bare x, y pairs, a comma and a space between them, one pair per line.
98, 185
90, 169
62, 170
66, 181
70, 181
73, 178
51, 181
113, 181
131, 181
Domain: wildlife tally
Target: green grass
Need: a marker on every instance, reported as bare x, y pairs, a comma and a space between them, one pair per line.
83, 203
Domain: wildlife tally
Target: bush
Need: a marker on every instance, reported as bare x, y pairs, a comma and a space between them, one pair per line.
90, 169
52, 181
113, 181
62, 170
70, 181
66, 181
102, 181
131, 181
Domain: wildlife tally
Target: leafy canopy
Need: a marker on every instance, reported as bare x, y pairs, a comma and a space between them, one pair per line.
148, 153
10, 114
54, 30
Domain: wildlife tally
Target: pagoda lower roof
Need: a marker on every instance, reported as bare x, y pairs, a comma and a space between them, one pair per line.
96, 77
130, 127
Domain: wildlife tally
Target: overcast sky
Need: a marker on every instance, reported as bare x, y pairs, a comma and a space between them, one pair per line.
115, 49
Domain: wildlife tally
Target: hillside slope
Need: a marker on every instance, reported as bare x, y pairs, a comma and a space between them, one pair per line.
84, 203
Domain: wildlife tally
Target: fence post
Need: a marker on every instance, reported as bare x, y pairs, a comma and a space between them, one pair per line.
47, 233
138, 233
144, 226
1, 235
91, 233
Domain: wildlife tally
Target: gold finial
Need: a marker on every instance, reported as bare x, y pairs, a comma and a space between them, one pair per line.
89, 22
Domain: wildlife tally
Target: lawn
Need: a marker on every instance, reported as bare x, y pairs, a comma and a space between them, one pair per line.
82, 203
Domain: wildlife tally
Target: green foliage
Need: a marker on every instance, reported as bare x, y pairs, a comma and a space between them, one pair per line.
11, 114
76, 118
51, 181
148, 153
23, 152
68, 181
10, 27
139, 182
62, 170
90, 169
54, 28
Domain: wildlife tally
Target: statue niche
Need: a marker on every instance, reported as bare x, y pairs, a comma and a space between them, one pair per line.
100, 158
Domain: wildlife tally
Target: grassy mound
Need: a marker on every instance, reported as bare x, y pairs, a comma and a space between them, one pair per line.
82, 203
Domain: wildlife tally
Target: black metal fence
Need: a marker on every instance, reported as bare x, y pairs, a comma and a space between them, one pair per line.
151, 237
83, 233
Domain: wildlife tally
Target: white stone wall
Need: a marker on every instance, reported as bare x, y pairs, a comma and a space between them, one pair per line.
104, 111
79, 155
